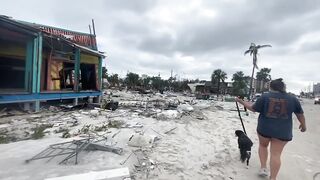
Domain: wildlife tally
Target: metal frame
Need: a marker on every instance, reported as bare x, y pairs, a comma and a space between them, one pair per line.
73, 148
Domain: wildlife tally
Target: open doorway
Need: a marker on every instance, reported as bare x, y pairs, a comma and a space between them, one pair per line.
67, 76
12, 73
12, 64
88, 77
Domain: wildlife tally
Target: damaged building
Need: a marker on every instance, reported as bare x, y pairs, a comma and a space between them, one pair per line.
40, 63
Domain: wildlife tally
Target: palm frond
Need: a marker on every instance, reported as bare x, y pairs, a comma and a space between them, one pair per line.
263, 46
247, 51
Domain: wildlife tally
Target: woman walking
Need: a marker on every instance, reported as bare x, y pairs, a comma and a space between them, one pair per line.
275, 124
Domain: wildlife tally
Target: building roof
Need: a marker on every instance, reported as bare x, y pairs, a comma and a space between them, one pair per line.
85, 42
25, 28
208, 83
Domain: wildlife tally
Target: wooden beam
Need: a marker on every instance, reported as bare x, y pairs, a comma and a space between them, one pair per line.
100, 73
77, 69
34, 65
39, 64
28, 69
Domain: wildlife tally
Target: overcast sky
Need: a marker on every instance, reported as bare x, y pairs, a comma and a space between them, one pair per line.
192, 37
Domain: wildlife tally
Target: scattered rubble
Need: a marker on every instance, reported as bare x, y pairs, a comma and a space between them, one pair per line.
119, 125
170, 131
142, 140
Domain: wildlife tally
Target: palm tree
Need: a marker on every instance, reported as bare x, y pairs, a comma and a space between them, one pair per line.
253, 50
218, 76
114, 79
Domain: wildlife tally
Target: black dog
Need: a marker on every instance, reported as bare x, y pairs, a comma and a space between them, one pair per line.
244, 144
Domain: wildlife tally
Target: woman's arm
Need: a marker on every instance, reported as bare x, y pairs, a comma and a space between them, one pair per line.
302, 121
248, 105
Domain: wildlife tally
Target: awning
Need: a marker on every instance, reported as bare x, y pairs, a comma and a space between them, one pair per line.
82, 48
88, 50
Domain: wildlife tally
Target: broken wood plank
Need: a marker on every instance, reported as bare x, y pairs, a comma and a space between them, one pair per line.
167, 132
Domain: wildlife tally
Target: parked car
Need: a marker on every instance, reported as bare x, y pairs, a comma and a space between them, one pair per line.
255, 97
317, 100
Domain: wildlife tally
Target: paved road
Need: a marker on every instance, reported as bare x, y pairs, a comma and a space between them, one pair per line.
302, 157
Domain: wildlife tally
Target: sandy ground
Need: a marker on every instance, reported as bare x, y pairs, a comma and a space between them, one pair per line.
301, 157
199, 148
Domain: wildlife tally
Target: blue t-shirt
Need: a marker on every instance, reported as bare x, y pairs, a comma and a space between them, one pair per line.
275, 118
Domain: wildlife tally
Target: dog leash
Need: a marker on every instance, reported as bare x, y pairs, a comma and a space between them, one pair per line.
244, 129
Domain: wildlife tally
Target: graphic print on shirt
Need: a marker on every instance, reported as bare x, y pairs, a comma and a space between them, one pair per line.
277, 108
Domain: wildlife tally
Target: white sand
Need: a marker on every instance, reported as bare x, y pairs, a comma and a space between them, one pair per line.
199, 148
301, 157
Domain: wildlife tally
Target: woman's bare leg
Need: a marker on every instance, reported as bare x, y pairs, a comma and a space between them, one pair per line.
263, 150
275, 157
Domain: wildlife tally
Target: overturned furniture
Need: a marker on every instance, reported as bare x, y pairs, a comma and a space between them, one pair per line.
71, 149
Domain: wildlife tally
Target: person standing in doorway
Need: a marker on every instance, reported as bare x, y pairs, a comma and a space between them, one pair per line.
275, 124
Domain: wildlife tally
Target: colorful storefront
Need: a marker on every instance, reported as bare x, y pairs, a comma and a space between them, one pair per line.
40, 63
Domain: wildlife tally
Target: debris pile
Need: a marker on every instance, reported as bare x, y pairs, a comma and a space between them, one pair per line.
125, 123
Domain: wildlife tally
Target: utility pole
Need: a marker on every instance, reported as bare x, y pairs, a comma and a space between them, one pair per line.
170, 85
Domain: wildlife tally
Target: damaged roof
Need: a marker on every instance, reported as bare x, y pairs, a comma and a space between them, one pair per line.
84, 41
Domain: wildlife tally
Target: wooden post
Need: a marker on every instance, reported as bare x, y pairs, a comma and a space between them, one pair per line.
100, 73
34, 65
28, 69
36, 68
39, 63
49, 79
77, 69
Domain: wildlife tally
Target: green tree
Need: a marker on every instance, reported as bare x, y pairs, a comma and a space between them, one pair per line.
239, 84
253, 50
217, 77
146, 81
183, 85
194, 81
104, 76
104, 73
114, 80
132, 80
158, 83
263, 76
172, 81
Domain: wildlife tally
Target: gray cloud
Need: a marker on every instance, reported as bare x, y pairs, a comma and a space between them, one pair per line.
162, 44
191, 37
310, 47
135, 6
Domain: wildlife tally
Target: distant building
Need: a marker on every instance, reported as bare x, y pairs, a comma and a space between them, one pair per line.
316, 89
194, 87
229, 88
260, 86
208, 87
